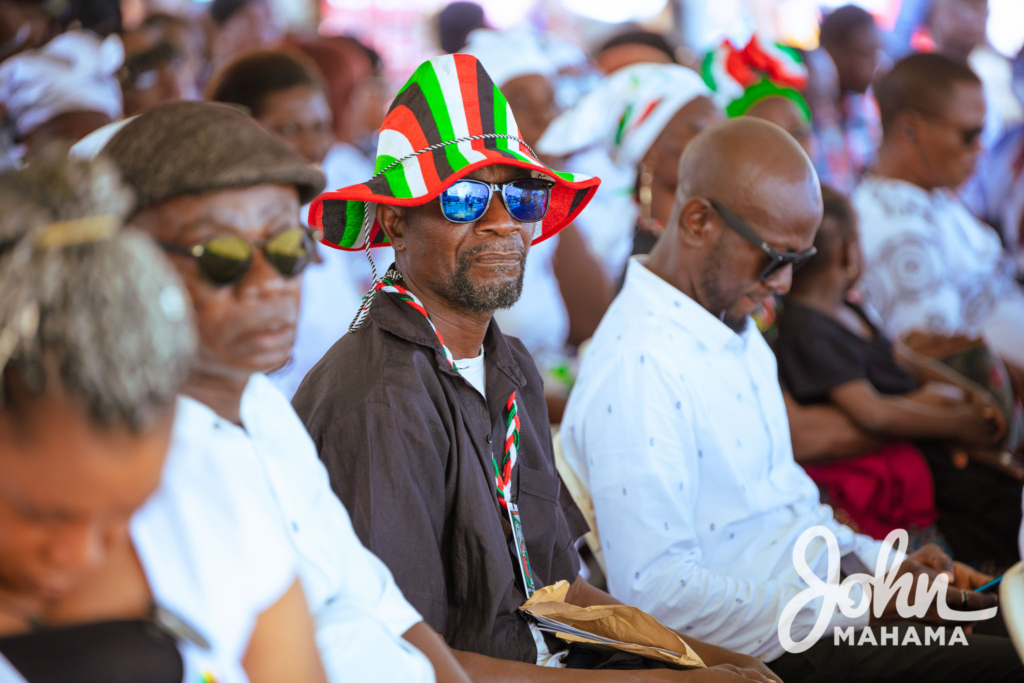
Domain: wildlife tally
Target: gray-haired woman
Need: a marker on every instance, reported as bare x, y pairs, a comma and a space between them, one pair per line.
99, 529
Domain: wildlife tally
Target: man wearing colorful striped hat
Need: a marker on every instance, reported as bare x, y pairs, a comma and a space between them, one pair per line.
431, 422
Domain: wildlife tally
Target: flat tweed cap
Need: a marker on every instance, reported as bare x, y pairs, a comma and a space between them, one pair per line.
183, 148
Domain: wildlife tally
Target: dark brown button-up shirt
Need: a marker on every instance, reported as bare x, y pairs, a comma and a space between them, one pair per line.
408, 445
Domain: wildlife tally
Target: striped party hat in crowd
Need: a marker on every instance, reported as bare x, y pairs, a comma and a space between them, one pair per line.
448, 120
742, 78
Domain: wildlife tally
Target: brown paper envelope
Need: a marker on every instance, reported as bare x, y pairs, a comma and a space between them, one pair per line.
637, 631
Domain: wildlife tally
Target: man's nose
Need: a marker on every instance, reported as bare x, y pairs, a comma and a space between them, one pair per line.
263, 279
497, 219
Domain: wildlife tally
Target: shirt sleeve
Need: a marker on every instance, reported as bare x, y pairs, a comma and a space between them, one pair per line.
391, 493
367, 582
641, 455
359, 629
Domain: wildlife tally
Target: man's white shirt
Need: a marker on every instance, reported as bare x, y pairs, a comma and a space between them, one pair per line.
678, 427
359, 612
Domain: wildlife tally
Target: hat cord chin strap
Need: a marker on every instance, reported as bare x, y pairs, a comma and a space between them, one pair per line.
364, 306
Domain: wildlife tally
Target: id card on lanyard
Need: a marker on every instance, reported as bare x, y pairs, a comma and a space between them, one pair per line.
521, 554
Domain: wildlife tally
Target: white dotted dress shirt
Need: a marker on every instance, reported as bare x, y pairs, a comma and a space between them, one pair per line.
678, 426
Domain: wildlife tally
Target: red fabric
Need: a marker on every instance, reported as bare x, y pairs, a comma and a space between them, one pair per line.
889, 489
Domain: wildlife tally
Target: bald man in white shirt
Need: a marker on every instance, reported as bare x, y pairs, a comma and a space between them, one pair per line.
677, 425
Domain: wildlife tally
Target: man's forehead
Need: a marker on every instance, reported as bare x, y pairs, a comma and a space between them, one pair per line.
498, 173
864, 37
968, 98
788, 225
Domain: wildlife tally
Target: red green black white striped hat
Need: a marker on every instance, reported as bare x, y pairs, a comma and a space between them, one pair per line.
448, 120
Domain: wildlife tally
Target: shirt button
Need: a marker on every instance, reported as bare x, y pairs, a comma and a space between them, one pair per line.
490, 439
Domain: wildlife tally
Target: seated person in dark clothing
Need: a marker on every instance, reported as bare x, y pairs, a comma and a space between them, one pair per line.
830, 352
432, 423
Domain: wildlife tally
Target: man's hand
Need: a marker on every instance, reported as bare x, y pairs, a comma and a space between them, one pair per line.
715, 656
930, 561
968, 577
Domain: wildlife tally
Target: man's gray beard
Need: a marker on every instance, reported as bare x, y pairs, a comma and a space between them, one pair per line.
462, 290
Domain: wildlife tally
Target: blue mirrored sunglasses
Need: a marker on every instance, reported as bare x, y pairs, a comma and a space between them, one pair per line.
527, 199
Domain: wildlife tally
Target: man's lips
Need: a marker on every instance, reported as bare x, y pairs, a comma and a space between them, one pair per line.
271, 333
499, 258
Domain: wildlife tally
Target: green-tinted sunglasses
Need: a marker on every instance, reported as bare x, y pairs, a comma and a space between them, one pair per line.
225, 259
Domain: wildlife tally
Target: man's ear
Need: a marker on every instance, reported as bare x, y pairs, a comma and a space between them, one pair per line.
392, 220
907, 124
694, 222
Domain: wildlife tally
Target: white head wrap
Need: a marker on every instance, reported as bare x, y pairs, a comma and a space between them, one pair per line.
73, 72
625, 113
509, 54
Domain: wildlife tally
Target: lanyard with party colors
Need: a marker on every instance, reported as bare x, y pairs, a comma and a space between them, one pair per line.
502, 474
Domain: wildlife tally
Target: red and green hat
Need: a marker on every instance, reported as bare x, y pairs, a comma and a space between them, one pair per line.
448, 120
742, 78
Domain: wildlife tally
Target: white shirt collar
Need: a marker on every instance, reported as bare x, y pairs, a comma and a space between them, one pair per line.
259, 391
642, 285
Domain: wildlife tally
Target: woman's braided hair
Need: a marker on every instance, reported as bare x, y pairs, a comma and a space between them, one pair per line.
99, 306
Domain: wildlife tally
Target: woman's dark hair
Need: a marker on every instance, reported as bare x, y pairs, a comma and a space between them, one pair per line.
838, 227
222, 10
102, 17
250, 78
640, 37
455, 22
840, 24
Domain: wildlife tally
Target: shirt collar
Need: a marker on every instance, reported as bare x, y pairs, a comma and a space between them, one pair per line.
398, 318
657, 294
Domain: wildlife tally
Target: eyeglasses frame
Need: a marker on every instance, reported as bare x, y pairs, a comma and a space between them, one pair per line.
777, 260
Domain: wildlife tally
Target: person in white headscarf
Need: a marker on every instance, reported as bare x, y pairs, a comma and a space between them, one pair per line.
518, 66
64, 90
564, 290
631, 130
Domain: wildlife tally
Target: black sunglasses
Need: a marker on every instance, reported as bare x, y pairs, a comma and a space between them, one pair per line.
777, 260
225, 259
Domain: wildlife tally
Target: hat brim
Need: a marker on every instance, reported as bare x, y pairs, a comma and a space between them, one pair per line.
339, 215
